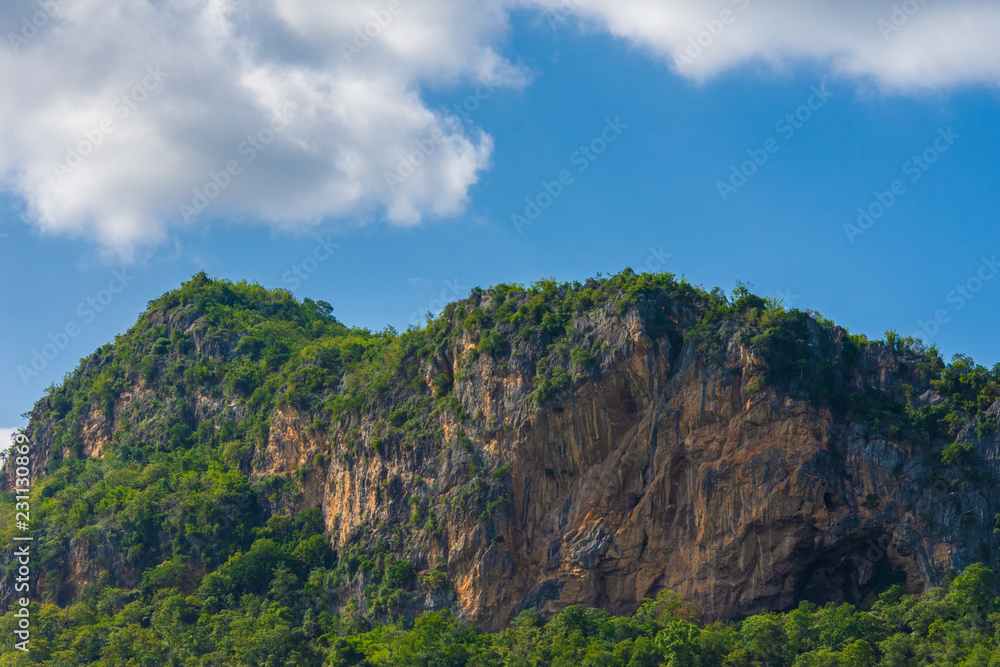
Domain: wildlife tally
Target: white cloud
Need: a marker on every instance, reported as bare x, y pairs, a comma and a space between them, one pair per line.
902, 45
169, 91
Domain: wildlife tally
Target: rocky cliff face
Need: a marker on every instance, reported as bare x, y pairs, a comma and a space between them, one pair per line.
661, 467
664, 473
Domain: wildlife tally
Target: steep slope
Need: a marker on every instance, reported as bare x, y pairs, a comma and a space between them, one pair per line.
530, 448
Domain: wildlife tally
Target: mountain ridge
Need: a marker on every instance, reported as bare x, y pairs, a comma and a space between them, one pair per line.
567, 443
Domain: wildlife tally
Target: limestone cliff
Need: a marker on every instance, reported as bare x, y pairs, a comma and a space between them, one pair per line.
665, 472
659, 462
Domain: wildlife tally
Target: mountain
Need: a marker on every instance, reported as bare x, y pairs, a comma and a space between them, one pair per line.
530, 448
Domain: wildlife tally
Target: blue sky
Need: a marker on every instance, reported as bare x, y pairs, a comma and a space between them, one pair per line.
89, 256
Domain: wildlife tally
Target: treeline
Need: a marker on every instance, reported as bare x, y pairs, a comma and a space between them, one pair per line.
201, 561
953, 625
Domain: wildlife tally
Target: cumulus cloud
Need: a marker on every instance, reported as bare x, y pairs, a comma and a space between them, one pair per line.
902, 45
122, 119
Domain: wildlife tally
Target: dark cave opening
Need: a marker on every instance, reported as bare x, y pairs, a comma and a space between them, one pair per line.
856, 572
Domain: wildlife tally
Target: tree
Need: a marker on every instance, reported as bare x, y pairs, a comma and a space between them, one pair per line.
898, 650
803, 635
858, 654
716, 642
821, 657
678, 642
764, 638
973, 593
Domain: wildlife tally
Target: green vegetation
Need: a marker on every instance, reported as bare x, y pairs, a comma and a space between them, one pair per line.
275, 617
195, 554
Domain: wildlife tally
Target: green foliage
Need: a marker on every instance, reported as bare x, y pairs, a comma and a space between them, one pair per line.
268, 604
795, 355
204, 563
434, 580
955, 452
763, 638
550, 382
495, 345
442, 384
285, 625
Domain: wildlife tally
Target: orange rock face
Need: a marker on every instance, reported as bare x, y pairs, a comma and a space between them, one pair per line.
665, 472
664, 468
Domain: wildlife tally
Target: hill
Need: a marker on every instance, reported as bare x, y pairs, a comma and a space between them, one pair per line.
240, 461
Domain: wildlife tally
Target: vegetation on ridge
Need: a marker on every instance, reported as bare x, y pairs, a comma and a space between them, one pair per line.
203, 563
